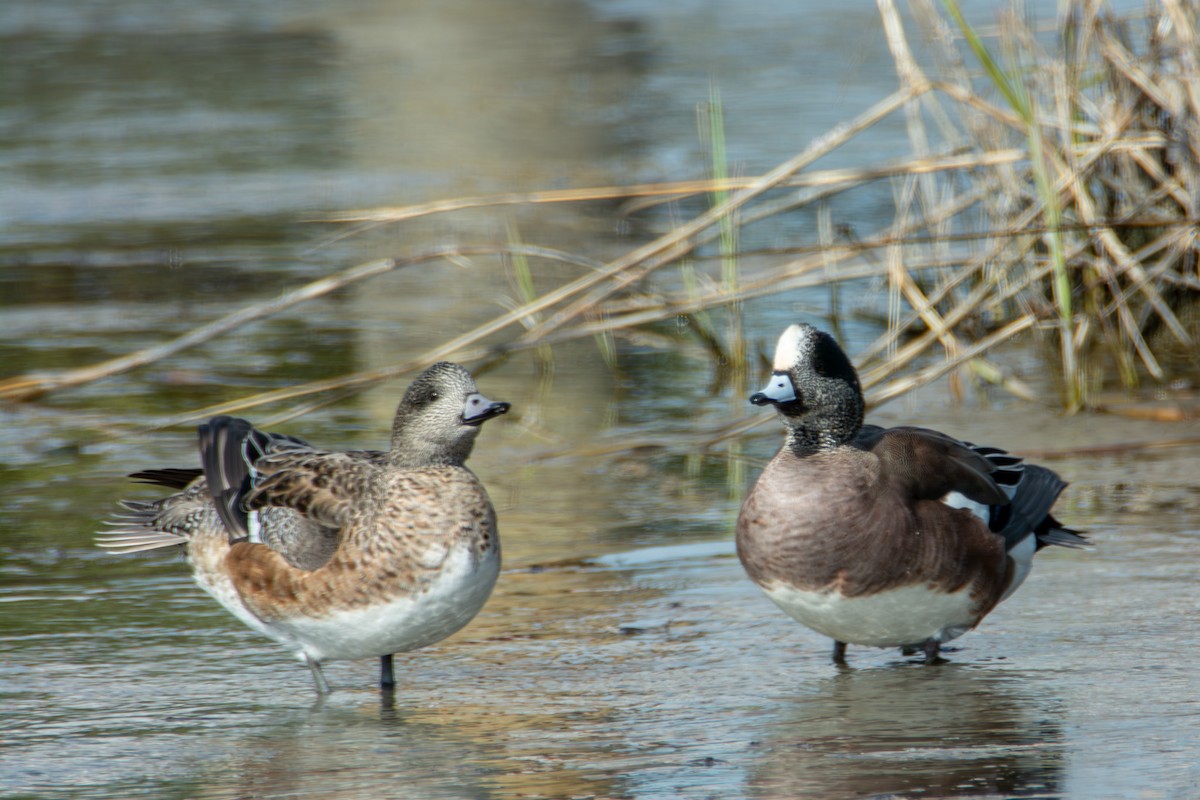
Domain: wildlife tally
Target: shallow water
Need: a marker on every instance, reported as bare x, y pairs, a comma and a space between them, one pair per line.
159, 174
643, 673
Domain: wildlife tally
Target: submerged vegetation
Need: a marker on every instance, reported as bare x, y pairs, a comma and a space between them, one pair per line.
1051, 185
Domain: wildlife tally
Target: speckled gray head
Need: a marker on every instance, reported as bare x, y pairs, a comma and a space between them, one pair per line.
814, 387
439, 416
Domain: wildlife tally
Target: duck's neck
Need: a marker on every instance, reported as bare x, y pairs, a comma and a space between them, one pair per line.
805, 441
415, 452
821, 433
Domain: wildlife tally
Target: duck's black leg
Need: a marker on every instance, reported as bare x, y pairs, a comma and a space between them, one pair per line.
318, 676
932, 649
839, 653
387, 680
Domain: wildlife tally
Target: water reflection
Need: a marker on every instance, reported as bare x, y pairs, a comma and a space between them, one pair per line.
357, 749
338, 751
953, 731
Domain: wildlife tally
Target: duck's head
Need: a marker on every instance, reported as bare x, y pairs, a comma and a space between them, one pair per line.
813, 386
439, 417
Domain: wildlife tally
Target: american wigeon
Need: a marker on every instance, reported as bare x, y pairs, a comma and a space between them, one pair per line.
336, 555
901, 537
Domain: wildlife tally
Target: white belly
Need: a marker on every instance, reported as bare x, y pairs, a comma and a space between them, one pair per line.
402, 623
894, 618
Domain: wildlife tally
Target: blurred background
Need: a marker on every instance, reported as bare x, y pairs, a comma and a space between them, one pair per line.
166, 163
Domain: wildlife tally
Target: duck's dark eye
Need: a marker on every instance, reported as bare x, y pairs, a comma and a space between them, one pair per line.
423, 398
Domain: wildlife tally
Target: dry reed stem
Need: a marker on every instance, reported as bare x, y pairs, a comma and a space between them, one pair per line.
798, 273
656, 253
841, 179
33, 385
1092, 157
931, 373
917, 346
1092, 143
403, 213
705, 439
665, 248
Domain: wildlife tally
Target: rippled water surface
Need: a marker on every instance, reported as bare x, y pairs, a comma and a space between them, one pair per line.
162, 164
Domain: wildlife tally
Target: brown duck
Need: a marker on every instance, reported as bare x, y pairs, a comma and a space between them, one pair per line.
336, 554
901, 537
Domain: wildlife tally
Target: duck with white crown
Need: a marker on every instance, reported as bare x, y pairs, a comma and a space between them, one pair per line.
901, 537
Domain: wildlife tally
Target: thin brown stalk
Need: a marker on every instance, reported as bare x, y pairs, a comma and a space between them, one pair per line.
934, 371
33, 385
666, 248
30, 386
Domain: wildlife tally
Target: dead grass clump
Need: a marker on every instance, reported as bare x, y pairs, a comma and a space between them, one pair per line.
1107, 198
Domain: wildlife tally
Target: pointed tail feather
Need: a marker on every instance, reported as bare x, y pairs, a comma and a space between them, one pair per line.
1029, 510
137, 541
137, 531
1051, 531
170, 477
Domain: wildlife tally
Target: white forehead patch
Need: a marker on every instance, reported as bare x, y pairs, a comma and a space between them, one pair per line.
792, 343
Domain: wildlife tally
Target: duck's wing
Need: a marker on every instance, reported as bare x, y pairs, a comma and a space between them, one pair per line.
306, 501
251, 471
230, 452
1012, 497
324, 487
198, 507
1033, 490
924, 464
